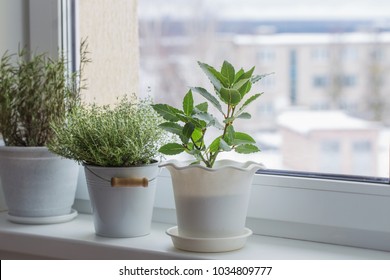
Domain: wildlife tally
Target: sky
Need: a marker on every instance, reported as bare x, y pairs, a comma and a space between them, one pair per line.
269, 9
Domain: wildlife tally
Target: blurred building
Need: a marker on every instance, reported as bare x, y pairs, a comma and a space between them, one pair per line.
328, 141
319, 71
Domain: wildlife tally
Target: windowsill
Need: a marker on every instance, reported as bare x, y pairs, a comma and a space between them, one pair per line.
77, 240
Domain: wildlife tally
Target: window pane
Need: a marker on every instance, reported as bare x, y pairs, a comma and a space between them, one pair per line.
325, 108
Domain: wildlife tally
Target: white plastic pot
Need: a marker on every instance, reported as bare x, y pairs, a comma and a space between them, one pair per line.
124, 210
211, 203
39, 186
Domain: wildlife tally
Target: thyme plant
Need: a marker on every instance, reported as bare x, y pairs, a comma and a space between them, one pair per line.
34, 92
125, 135
192, 122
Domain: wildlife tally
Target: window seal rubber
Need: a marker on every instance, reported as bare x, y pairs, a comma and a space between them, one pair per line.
326, 176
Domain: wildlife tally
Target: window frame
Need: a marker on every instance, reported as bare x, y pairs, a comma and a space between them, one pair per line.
330, 208
45, 26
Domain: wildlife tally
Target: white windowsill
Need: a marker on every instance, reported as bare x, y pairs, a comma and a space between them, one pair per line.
77, 240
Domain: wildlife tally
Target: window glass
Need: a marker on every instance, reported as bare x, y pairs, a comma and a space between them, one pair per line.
325, 108
349, 53
266, 56
330, 156
349, 80
320, 54
320, 81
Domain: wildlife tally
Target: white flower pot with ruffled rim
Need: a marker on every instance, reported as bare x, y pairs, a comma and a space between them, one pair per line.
122, 199
39, 186
211, 204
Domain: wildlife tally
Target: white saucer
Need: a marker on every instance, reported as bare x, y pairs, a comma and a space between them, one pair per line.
208, 245
42, 220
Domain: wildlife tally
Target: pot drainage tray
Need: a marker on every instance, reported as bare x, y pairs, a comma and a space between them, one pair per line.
208, 245
43, 220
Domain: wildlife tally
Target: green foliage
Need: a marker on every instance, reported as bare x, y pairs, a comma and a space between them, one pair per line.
192, 122
125, 135
35, 92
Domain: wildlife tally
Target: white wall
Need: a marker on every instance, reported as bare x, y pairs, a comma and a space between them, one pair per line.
111, 28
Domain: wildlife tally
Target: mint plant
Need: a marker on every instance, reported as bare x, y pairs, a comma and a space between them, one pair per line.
192, 122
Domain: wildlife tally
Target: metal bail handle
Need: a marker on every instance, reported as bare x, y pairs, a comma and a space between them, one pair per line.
129, 182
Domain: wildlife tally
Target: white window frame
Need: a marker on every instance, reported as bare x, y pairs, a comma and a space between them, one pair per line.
339, 212
352, 213
45, 25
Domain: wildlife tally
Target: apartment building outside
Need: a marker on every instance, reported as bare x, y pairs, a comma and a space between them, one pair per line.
317, 72
328, 141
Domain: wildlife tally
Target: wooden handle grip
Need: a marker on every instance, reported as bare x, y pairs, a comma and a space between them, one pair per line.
129, 182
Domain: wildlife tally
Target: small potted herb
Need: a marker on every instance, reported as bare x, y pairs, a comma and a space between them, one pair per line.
35, 90
118, 147
211, 196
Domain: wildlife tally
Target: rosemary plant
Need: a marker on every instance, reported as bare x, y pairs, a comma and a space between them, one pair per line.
35, 92
125, 135
191, 122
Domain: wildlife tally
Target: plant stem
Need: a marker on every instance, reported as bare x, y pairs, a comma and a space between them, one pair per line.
213, 156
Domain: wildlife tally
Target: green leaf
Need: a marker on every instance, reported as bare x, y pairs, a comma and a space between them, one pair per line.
187, 132
201, 124
229, 120
191, 148
247, 149
188, 103
239, 75
242, 138
202, 107
214, 146
216, 78
171, 149
172, 127
251, 99
244, 115
230, 96
240, 83
247, 102
245, 89
229, 136
197, 136
228, 72
209, 97
169, 113
248, 74
257, 78
209, 119
224, 146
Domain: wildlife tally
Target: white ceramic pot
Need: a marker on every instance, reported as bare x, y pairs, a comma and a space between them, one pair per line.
211, 203
37, 184
126, 210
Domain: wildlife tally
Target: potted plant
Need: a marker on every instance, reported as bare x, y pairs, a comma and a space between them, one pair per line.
39, 187
118, 147
211, 196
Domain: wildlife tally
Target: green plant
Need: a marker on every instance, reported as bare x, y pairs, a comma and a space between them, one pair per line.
33, 93
124, 135
193, 121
